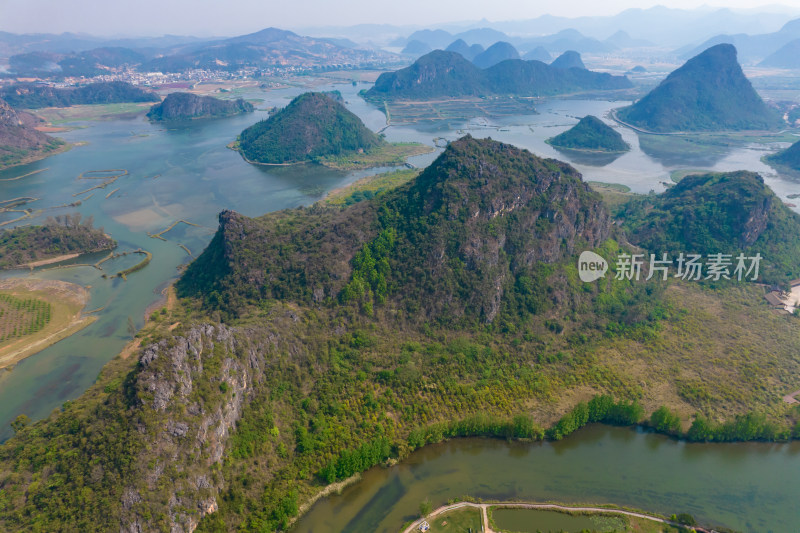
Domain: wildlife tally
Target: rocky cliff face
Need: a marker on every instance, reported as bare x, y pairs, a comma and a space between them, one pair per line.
16, 130
191, 391
19, 141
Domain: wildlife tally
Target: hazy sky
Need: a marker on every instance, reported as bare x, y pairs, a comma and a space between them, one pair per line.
231, 17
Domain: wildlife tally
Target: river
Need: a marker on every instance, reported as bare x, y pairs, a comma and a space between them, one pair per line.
745, 486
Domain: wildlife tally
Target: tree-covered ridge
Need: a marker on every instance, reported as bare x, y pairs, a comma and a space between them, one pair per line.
62, 235
449, 74
313, 125
727, 213
453, 244
178, 106
708, 93
590, 133
34, 96
789, 157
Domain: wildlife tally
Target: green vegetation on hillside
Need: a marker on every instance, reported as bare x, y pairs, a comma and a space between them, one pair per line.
448, 306
708, 93
181, 106
719, 213
590, 134
62, 235
790, 157
312, 126
32, 96
450, 75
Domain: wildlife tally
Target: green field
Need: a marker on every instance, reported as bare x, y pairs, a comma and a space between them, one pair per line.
458, 521
391, 154
62, 115
370, 186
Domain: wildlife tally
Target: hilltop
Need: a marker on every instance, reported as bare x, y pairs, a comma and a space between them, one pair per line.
20, 142
177, 106
313, 125
569, 59
499, 51
461, 47
708, 93
719, 213
449, 74
34, 96
435, 196
789, 157
787, 56
313, 343
591, 134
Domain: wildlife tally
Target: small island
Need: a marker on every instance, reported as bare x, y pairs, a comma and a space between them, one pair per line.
59, 239
185, 106
317, 127
590, 135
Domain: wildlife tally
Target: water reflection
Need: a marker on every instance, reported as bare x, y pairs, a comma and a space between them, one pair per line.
593, 159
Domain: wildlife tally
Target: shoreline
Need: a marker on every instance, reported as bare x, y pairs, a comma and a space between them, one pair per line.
52, 260
39, 155
483, 507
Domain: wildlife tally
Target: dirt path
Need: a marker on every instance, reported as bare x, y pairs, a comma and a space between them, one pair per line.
790, 398
545, 506
50, 261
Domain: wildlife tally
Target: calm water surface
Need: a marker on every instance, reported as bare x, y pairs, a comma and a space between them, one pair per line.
747, 486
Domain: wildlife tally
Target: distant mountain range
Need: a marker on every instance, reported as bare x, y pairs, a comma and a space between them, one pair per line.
752, 48
448, 74
460, 46
499, 51
708, 93
266, 48
787, 56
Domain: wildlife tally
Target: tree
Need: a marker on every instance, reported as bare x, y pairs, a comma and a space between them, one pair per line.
131, 327
20, 423
425, 507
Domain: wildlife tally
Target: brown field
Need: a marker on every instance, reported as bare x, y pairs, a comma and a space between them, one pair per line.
37, 314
